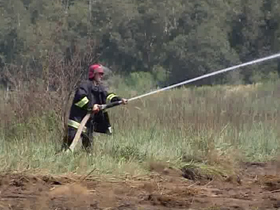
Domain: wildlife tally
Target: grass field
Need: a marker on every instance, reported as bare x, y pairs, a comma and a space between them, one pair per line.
212, 127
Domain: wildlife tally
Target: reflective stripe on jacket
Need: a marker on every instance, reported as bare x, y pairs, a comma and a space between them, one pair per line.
85, 97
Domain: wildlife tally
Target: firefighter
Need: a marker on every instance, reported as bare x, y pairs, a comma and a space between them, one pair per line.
88, 96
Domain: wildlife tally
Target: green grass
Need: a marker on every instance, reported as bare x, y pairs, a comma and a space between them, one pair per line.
212, 127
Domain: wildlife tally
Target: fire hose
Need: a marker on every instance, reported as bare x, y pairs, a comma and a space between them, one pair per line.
113, 104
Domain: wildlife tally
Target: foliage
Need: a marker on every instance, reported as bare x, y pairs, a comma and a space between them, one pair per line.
47, 46
183, 39
208, 126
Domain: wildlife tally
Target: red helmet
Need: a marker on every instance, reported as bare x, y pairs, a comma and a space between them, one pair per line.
95, 69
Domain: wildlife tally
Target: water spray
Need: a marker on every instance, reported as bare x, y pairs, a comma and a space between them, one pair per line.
113, 104
208, 75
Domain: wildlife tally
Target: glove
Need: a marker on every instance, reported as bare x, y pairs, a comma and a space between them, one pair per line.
124, 101
95, 108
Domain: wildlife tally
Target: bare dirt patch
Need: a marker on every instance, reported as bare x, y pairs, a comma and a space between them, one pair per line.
257, 187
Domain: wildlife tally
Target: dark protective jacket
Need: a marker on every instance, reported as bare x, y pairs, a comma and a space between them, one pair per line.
86, 95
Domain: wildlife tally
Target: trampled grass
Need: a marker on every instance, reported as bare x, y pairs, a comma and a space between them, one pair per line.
214, 126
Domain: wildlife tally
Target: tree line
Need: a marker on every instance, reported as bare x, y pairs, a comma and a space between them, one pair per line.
169, 40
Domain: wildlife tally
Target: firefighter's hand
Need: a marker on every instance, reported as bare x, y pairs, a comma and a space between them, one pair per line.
96, 108
124, 101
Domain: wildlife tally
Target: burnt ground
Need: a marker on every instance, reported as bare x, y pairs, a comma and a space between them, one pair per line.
256, 187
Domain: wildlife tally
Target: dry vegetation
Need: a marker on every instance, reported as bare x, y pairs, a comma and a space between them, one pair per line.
204, 134
212, 127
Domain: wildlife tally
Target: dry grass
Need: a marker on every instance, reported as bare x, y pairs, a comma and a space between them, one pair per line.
207, 126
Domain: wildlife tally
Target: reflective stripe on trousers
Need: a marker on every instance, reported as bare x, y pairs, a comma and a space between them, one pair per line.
76, 125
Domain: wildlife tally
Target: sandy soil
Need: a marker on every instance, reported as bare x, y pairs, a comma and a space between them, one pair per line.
256, 187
